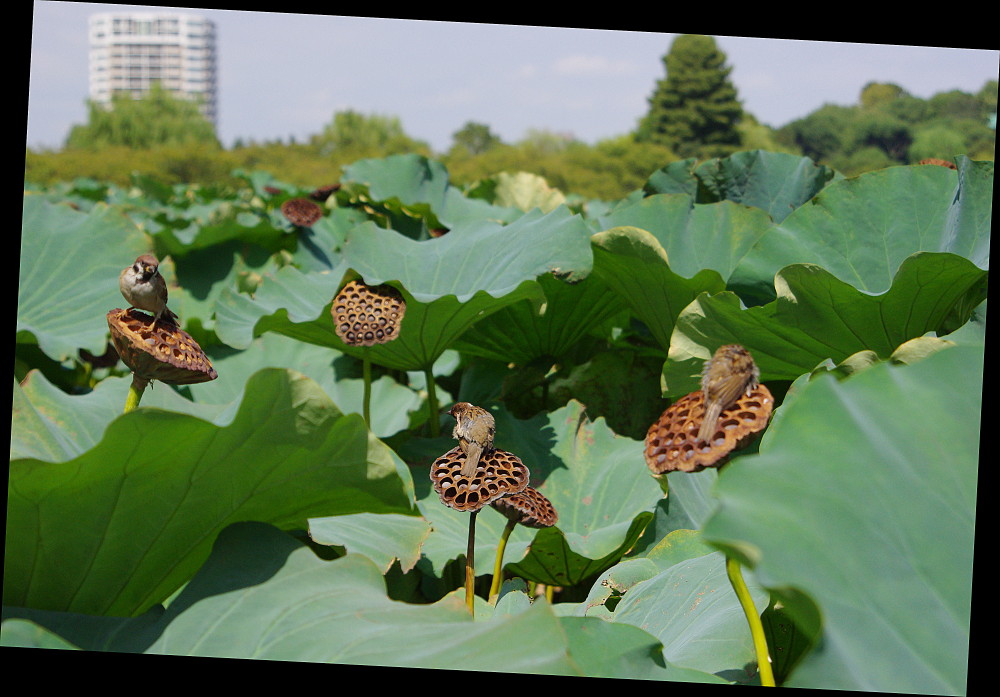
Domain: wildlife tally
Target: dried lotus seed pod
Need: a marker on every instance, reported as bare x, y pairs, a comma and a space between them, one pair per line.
367, 315
163, 352
499, 473
301, 211
529, 508
672, 442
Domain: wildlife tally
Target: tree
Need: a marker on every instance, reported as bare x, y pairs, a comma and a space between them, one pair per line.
877, 94
882, 131
936, 141
822, 134
156, 119
694, 110
474, 139
354, 135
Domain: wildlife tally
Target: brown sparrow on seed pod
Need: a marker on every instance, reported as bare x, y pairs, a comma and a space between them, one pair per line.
144, 288
474, 429
730, 373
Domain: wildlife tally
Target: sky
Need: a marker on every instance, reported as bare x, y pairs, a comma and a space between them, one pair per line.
284, 75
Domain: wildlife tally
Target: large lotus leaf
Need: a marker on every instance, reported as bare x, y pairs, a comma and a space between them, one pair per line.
427, 330
520, 333
446, 283
288, 300
597, 483
411, 185
487, 256
634, 264
695, 237
681, 594
382, 537
863, 497
772, 181
818, 317
197, 280
524, 191
26, 634
392, 403
318, 247
264, 595
117, 529
862, 229
692, 609
201, 225
50, 425
67, 279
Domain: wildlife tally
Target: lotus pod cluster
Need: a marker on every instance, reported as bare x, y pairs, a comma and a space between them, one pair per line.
672, 442
528, 507
162, 352
301, 211
499, 474
367, 315
324, 192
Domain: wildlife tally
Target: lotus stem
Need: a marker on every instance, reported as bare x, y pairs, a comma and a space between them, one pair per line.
366, 368
470, 566
432, 402
135, 391
498, 564
753, 619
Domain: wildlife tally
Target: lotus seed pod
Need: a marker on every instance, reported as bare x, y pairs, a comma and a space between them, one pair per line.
529, 508
499, 473
367, 315
301, 211
165, 353
672, 443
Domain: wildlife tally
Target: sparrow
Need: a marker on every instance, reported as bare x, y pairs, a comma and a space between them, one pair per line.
144, 288
730, 373
474, 429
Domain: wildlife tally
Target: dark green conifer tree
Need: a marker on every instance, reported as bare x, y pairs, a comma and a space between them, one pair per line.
694, 110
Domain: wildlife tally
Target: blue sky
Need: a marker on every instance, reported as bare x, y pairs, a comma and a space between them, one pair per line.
285, 74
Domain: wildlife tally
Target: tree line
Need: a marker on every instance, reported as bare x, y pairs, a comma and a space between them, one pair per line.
694, 111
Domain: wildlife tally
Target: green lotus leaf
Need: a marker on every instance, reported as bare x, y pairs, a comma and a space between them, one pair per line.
382, 537
489, 257
50, 425
262, 594
120, 527
695, 237
775, 182
294, 302
202, 225
692, 609
412, 187
444, 281
67, 279
525, 191
29, 635
862, 229
818, 317
521, 333
863, 498
633, 263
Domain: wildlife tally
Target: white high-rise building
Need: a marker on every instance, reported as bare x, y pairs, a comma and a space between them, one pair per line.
129, 51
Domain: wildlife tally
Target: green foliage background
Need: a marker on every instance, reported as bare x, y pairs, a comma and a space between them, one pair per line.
573, 289
259, 516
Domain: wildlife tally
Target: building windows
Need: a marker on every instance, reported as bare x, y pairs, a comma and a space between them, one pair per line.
130, 51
